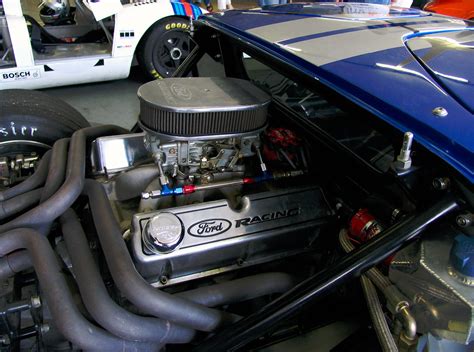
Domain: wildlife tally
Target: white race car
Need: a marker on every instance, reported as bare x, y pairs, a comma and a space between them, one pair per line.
96, 40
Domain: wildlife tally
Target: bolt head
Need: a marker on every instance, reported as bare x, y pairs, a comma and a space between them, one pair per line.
441, 183
402, 164
440, 112
462, 221
44, 328
163, 279
35, 302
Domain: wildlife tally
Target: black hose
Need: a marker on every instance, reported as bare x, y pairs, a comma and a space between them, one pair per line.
57, 204
239, 290
18, 203
129, 281
238, 335
57, 169
34, 181
103, 309
63, 309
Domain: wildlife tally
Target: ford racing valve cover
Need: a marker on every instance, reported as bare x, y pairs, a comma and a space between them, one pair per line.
203, 239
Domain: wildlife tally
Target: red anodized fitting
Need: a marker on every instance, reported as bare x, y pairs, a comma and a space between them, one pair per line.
363, 226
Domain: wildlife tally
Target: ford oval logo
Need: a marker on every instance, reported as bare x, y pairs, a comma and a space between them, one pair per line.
209, 227
181, 91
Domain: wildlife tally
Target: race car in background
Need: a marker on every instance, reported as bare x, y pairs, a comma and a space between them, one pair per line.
456, 8
93, 41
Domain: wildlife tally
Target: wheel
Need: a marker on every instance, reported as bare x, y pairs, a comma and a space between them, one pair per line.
33, 121
164, 47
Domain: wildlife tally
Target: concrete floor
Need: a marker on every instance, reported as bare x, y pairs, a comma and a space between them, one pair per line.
113, 102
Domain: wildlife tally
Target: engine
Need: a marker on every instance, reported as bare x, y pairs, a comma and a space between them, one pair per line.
208, 138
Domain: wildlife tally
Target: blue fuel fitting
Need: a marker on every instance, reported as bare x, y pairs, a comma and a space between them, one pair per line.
168, 191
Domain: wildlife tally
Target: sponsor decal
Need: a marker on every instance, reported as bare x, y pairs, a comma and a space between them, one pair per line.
279, 214
176, 25
209, 227
20, 75
15, 130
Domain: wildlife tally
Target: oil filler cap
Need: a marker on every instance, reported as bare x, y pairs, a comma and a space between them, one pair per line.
462, 259
163, 233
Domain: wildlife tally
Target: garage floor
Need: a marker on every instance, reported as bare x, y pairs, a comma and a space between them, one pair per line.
112, 102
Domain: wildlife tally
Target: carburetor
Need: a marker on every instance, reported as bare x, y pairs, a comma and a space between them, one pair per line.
197, 127
202, 158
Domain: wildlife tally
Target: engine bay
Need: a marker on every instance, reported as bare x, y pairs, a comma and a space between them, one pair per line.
216, 206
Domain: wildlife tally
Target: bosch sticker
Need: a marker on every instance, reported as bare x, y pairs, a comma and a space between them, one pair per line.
20, 75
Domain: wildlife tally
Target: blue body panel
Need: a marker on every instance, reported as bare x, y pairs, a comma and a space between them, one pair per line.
387, 75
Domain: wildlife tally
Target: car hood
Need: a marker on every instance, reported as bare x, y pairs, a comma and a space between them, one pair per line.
449, 57
378, 60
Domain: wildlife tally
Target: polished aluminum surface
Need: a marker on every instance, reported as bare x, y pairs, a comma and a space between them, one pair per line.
442, 304
267, 225
202, 106
162, 233
112, 154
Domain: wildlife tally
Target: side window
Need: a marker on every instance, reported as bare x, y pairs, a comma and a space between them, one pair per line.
344, 126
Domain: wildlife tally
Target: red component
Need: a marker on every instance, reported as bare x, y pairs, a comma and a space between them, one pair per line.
189, 189
270, 154
282, 137
248, 180
363, 226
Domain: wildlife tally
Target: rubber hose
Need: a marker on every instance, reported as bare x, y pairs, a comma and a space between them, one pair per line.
34, 181
57, 169
63, 309
103, 309
44, 214
18, 203
132, 285
239, 290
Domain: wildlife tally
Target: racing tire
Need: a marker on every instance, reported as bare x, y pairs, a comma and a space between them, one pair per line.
32, 120
164, 47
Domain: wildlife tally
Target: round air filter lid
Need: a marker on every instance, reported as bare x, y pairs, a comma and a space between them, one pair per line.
202, 106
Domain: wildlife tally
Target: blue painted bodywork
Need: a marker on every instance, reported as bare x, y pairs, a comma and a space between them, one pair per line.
396, 78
